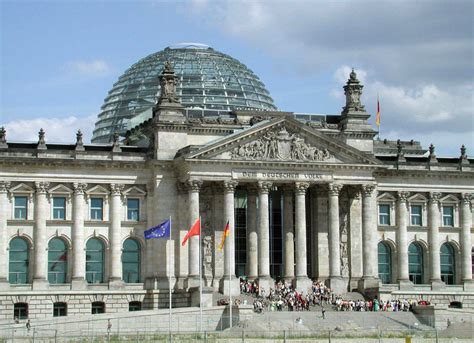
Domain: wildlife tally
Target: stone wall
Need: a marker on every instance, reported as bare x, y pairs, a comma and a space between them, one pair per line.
40, 304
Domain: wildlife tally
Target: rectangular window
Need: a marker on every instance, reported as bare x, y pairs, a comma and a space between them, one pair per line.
384, 214
97, 205
20, 311
98, 307
59, 310
415, 214
21, 206
59, 208
448, 216
133, 209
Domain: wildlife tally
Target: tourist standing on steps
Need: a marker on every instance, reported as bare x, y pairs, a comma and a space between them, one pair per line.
109, 326
323, 312
28, 325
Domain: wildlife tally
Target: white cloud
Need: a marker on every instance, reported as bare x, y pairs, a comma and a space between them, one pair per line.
58, 130
95, 68
403, 41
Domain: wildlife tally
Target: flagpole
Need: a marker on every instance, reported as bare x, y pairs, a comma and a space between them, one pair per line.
230, 280
200, 279
169, 279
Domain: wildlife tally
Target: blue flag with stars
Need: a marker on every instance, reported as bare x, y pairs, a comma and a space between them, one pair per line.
160, 231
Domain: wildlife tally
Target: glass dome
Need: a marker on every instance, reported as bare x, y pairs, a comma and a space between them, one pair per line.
208, 80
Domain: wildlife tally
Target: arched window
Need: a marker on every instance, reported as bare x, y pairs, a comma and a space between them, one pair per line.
94, 261
415, 263
385, 262
57, 261
472, 261
19, 261
131, 261
447, 264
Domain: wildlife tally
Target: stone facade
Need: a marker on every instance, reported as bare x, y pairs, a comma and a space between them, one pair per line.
341, 197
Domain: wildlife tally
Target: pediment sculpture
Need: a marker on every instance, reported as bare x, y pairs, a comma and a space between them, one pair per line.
280, 145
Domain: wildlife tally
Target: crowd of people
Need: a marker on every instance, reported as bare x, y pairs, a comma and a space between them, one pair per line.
284, 297
375, 305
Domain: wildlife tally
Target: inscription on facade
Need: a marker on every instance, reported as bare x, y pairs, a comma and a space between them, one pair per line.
280, 175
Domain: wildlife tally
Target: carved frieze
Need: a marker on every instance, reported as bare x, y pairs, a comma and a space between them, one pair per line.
280, 145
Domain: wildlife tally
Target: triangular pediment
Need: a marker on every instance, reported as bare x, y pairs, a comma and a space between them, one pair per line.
60, 189
134, 191
281, 140
97, 190
22, 188
418, 198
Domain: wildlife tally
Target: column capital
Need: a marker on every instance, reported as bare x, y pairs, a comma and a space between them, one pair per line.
41, 187
194, 185
4, 186
434, 197
301, 187
465, 197
264, 187
368, 189
334, 188
403, 196
229, 186
116, 188
79, 188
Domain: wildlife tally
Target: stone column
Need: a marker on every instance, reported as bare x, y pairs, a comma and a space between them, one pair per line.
369, 280
433, 239
264, 278
302, 282
194, 186
289, 240
115, 275
335, 279
4, 186
77, 235
40, 276
466, 241
252, 237
229, 283
402, 240
182, 260
150, 244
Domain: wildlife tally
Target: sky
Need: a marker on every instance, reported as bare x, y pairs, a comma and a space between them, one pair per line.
58, 59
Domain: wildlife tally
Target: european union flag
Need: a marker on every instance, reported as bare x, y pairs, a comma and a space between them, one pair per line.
160, 231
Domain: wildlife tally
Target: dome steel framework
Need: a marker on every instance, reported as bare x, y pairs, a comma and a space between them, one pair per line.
208, 80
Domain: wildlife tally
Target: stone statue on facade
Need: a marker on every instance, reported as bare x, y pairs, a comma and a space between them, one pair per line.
353, 92
168, 82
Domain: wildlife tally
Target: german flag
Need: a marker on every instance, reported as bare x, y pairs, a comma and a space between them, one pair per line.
226, 233
377, 116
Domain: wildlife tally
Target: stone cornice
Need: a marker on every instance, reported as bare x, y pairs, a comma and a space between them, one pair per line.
83, 163
425, 173
292, 164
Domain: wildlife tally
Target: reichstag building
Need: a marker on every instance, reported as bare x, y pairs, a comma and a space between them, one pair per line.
191, 132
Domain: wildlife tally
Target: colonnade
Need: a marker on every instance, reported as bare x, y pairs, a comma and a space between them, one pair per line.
258, 233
